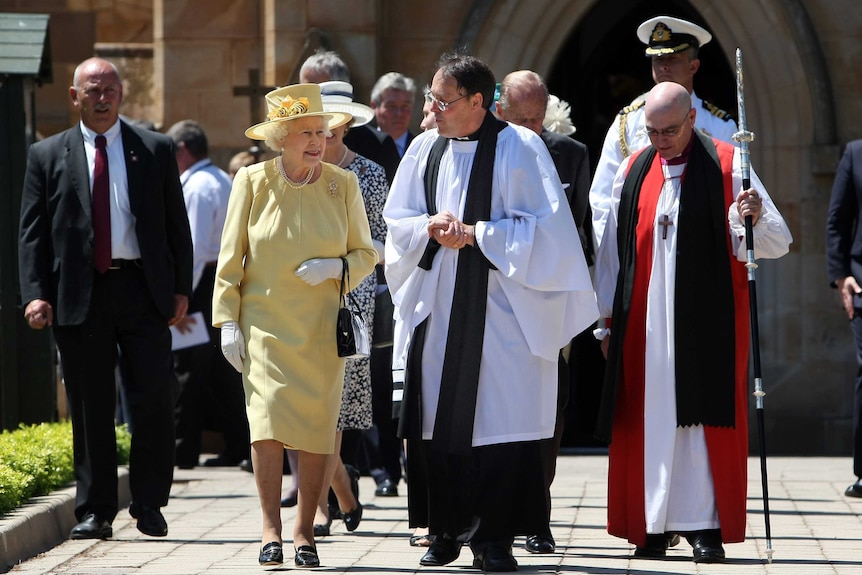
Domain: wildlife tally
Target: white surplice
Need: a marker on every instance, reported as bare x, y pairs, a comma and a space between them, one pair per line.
678, 488
539, 297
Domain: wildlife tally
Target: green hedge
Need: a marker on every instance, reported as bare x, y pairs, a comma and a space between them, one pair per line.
36, 459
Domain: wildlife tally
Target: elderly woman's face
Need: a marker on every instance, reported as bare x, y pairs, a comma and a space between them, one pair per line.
305, 141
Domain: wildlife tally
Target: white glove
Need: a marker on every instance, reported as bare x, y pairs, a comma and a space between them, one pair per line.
381, 250
317, 270
233, 344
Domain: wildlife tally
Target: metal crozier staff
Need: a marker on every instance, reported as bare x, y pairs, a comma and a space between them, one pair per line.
743, 136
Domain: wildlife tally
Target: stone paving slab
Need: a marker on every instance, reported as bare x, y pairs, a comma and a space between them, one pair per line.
214, 524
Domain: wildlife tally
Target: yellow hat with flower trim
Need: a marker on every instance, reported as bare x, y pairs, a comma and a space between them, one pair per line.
294, 102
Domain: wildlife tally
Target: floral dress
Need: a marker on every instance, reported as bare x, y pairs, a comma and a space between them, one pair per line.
356, 397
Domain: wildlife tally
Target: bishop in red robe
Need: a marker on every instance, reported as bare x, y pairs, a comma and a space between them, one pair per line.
670, 276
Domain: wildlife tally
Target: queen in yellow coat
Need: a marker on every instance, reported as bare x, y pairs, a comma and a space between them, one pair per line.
289, 222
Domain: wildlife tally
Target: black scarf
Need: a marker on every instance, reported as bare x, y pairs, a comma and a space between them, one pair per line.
456, 408
704, 302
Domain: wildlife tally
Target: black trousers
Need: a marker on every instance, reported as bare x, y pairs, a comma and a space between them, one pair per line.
488, 496
388, 444
856, 328
210, 389
122, 315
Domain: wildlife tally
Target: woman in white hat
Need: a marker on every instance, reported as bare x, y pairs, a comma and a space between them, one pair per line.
355, 412
290, 221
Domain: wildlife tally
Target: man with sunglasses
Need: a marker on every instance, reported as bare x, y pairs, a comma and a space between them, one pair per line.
672, 47
489, 282
675, 402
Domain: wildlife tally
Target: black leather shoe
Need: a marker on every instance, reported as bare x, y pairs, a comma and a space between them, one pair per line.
92, 527
441, 552
306, 556
150, 520
271, 554
495, 559
221, 461
540, 544
657, 545
289, 501
854, 490
245, 465
706, 546
322, 529
387, 488
352, 518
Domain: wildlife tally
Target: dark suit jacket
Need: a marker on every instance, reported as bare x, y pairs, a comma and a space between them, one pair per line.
572, 161
377, 146
843, 233
55, 249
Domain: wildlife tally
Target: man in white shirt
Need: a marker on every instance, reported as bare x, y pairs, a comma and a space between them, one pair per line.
207, 381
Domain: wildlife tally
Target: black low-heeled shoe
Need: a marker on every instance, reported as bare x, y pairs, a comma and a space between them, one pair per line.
352, 518
306, 556
271, 554
322, 529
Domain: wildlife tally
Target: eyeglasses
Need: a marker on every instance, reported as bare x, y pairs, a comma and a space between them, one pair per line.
441, 105
666, 132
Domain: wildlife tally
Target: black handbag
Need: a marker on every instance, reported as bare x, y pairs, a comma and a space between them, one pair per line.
351, 333
384, 315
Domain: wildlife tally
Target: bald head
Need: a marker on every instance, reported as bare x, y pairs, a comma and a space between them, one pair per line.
523, 99
97, 93
669, 118
668, 97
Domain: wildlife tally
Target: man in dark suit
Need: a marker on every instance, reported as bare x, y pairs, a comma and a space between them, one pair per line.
384, 140
844, 259
386, 137
523, 101
105, 257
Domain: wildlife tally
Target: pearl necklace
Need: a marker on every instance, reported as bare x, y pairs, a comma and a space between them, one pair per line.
344, 157
291, 183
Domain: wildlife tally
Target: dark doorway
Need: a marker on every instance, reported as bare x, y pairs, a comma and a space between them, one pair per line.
599, 70
602, 67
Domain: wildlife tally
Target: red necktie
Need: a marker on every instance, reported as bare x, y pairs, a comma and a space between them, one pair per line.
101, 208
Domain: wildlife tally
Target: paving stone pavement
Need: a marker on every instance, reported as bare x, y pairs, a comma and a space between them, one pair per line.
214, 524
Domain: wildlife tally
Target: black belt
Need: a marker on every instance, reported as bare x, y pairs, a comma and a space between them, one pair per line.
211, 264
125, 264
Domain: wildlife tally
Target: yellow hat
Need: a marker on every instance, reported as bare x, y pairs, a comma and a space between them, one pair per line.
291, 103
667, 35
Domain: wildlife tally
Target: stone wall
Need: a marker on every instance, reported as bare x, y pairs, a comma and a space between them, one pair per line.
185, 59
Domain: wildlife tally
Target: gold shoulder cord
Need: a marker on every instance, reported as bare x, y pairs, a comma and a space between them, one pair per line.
715, 111
624, 114
624, 147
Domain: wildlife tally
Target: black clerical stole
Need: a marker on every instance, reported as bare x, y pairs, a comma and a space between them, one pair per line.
456, 407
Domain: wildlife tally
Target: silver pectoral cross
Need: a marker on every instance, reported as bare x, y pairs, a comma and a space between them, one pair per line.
664, 222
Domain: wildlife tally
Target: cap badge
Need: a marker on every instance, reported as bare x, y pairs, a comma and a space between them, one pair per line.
660, 33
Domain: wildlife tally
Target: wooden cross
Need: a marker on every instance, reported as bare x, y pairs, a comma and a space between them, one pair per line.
664, 222
255, 92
